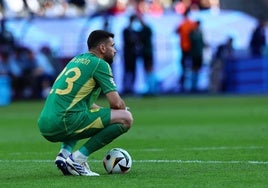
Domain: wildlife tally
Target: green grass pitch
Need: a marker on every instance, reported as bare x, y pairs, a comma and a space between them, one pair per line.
182, 141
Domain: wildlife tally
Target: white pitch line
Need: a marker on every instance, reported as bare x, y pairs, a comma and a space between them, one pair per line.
226, 148
163, 149
204, 148
202, 162
151, 161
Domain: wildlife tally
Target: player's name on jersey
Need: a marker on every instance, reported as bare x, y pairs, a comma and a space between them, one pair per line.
81, 60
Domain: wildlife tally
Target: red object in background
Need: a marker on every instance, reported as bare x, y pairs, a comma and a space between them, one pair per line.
118, 8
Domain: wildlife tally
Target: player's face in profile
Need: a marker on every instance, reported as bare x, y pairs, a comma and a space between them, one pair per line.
110, 51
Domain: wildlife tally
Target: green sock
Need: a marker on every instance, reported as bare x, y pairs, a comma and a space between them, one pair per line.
102, 138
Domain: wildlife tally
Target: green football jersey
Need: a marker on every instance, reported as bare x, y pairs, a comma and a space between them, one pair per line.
76, 88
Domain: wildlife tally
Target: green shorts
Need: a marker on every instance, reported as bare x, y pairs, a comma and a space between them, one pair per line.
75, 126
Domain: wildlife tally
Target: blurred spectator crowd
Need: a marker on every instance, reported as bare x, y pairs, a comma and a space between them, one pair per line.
71, 8
31, 74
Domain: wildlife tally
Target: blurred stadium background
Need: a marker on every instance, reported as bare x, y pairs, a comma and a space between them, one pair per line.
63, 26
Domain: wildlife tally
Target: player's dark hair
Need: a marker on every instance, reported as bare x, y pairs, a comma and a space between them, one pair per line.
98, 36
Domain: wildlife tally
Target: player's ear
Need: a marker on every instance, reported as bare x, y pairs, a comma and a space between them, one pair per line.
102, 48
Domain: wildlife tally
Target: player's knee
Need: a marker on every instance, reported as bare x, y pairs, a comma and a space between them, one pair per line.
129, 120
122, 116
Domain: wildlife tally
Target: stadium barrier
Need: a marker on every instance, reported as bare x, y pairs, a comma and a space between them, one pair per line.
248, 75
5, 90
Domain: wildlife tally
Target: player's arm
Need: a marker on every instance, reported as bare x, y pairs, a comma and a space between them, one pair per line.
115, 101
103, 75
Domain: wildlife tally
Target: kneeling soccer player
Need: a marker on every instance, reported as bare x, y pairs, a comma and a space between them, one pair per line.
71, 114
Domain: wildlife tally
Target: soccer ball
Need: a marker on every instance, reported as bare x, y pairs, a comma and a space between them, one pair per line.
117, 161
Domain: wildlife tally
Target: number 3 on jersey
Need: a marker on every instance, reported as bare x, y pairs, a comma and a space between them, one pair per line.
70, 79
